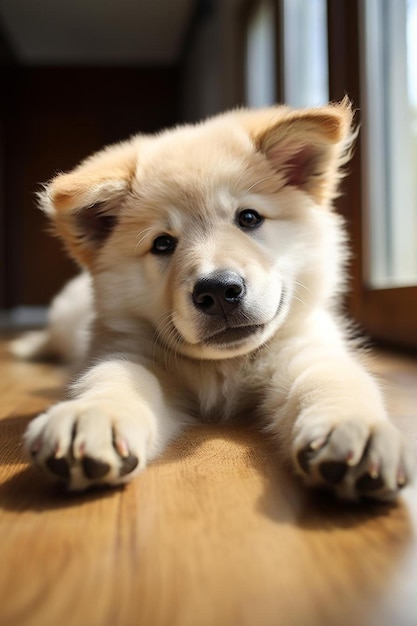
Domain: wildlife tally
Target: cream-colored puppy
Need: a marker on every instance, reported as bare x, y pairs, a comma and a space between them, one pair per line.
214, 265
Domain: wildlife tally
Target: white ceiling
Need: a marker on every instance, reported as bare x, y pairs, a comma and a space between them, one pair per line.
86, 32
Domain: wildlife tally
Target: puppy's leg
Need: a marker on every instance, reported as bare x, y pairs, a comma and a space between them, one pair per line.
67, 335
32, 345
333, 425
117, 420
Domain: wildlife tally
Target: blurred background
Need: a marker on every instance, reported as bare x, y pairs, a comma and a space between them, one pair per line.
77, 74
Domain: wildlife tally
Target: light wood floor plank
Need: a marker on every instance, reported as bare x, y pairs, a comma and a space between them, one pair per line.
216, 533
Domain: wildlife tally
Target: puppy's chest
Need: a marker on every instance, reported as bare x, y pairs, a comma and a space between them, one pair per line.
222, 393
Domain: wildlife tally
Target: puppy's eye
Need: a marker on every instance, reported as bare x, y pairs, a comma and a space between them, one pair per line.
164, 244
248, 218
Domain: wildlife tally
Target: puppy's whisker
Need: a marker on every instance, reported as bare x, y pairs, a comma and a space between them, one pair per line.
264, 347
172, 352
299, 299
142, 236
246, 318
296, 294
168, 336
302, 285
243, 174
176, 352
161, 329
258, 182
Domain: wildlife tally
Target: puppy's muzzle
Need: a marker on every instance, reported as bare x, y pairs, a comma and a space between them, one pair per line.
219, 293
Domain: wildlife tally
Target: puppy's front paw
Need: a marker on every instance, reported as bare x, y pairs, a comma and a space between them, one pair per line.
84, 443
354, 457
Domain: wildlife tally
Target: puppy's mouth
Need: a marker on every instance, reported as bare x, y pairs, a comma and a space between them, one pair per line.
217, 336
232, 335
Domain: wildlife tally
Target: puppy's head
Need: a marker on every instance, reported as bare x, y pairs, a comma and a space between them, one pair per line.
214, 235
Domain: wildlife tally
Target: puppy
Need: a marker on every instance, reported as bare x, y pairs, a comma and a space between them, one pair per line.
214, 264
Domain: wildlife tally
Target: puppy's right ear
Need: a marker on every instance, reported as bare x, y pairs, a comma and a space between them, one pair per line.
84, 204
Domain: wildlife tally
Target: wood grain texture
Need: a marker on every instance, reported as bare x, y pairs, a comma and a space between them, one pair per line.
216, 533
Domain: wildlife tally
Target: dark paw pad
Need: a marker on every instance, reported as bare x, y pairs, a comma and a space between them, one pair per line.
93, 468
333, 471
128, 464
59, 467
369, 483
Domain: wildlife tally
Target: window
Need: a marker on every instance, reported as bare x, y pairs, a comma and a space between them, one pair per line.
371, 60
325, 49
389, 54
286, 39
261, 56
305, 58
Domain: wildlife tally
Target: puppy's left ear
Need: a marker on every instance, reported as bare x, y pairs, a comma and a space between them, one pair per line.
84, 204
307, 147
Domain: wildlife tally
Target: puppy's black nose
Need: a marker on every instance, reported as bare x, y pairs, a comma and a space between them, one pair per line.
219, 293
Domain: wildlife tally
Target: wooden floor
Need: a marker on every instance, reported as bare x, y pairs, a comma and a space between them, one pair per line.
214, 534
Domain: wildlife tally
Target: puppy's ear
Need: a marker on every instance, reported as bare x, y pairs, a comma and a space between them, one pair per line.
308, 147
84, 204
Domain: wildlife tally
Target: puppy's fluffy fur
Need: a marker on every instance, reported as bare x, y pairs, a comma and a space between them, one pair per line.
213, 265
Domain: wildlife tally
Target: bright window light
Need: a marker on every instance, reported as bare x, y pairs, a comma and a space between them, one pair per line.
260, 57
389, 134
305, 52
